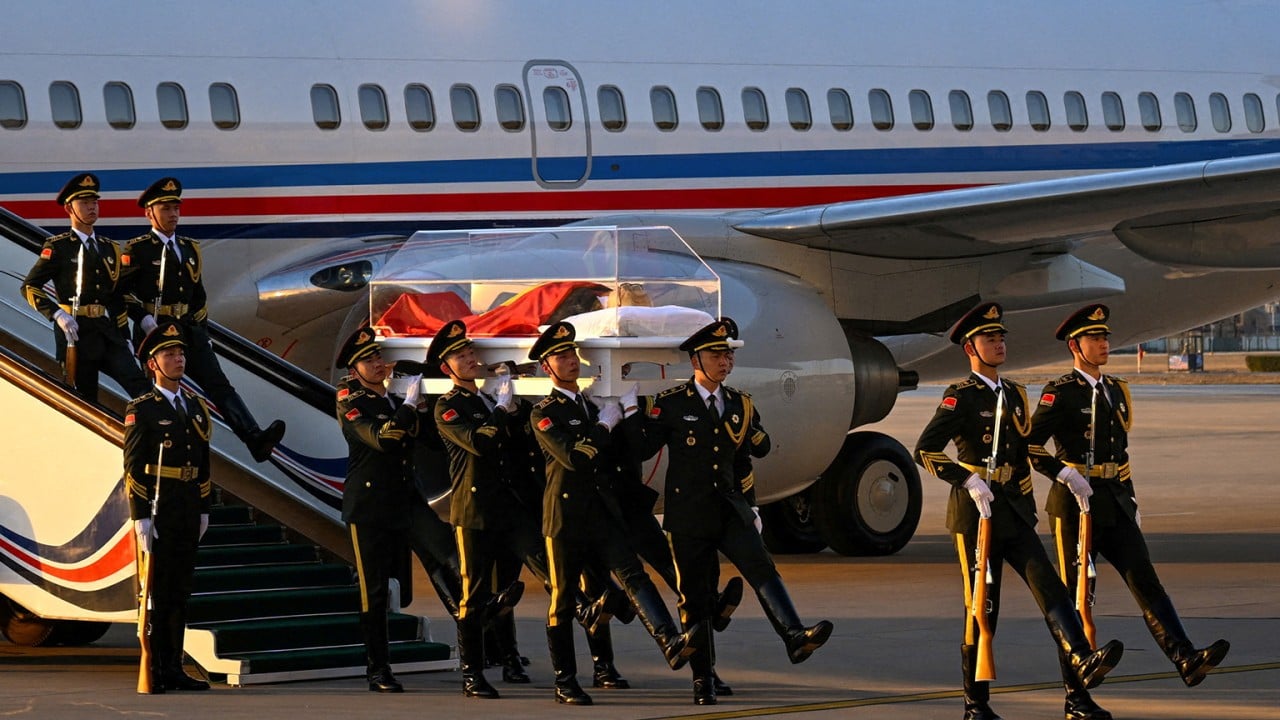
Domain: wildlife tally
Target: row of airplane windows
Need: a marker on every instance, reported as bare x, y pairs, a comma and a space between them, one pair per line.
558, 108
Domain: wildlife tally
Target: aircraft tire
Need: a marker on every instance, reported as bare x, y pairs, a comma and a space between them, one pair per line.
22, 627
868, 502
77, 633
788, 526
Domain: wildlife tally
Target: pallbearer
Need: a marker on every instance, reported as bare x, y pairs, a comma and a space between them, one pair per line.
166, 451
1063, 415
966, 417
708, 429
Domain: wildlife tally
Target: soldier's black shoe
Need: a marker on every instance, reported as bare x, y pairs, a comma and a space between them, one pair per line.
704, 691
1194, 664
1079, 706
475, 685
803, 641
979, 711
677, 647
722, 687
381, 680
513, 671
1092, 667
606, 677
726, 603
263, 442
179, 680
569, 692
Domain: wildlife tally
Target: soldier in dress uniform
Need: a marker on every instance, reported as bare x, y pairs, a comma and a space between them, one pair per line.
581, 519
705, 426
1064, 414
967, 417
163, 278
166, 466
90, 314
484, 509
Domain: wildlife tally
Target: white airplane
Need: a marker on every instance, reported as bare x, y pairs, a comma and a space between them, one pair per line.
859, 175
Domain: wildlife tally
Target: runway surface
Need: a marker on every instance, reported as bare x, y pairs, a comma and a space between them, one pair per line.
1205, 460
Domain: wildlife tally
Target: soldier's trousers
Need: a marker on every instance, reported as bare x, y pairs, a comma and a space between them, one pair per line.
378, 550
1123, 545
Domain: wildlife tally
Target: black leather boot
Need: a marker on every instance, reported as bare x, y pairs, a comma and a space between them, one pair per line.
726, 602
976, 694
471, 658
260, 442
604, 674
175, 678
1090, 666
702, 662
1193, 665
801, 641
503, 631
676, 647
382, 680
448, 586
1079, 705
564, 663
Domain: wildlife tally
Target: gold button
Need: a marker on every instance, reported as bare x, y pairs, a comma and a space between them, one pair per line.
716, 448
565, 496
715, 467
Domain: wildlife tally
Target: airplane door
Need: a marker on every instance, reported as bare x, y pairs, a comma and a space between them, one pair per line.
559, 127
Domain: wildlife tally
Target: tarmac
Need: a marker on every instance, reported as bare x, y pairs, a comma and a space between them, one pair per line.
1204, 459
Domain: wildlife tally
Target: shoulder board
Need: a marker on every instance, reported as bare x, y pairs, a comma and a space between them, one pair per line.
673, 391
736, 390
1118, 380
193, 241
545, 402
1014, 384
61, 236
1066, 379
966, 383
199, 401
452, 392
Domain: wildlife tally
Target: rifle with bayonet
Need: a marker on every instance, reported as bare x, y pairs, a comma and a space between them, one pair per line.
70, 359
980, 606
1085, 572
146, 682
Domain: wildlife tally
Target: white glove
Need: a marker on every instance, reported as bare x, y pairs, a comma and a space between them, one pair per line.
630, 401
758, 522
504, 392
204, 525
144, 532
1079, 487
610, 414
413, 393
981, 494
148, 324
68, 324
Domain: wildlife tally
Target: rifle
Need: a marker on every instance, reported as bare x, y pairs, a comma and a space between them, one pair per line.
985, 667
1084, 548
146, 683
164, 263
69, 360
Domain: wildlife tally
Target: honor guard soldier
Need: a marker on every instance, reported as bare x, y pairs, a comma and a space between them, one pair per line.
484, 509
580, 515
166, 466
163, 278
705, 426
988, 419
1086, 412
91, 327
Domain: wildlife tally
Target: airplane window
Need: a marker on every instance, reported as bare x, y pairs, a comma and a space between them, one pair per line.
171, 100
841, 109
1112, 111
663, 104
798, 113
1001, 112
755, 109
324, 107
1253, 118
13, 106
881, 109
961, 110
613, 108
1077, 112
465, 107
118, 100
710, 109
419, 108
1038, 110
1220, 111
1185, 108
224, 106
921, 107
373, 107
511, 108
64, 101
555, 102
1149, 111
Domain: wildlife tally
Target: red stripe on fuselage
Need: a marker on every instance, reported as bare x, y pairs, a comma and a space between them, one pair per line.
119, 556
496, 203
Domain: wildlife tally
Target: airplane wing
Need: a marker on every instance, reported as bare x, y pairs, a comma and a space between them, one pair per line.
1212, 214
